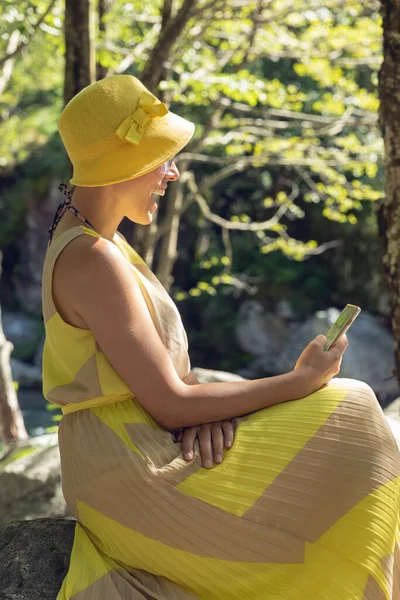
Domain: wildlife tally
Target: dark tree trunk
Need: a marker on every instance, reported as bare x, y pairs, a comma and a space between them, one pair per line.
388, 208
156, 69
103, 7
79, 58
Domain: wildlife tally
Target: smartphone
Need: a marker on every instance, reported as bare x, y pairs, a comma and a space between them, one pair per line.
341, 325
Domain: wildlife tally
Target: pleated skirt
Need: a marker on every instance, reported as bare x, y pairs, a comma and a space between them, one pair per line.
305, 505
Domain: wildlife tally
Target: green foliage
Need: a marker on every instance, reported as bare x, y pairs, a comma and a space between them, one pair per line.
299, 125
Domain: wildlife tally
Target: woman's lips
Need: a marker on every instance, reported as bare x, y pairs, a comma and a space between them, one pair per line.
159, 189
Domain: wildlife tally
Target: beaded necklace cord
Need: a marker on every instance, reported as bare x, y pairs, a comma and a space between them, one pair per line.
63, 207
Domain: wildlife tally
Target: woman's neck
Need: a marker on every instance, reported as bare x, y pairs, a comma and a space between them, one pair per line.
99, 208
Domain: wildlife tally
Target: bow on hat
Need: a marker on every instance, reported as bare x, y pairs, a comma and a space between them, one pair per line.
149, 107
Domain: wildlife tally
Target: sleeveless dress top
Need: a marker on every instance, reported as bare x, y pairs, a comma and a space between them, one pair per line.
74, 367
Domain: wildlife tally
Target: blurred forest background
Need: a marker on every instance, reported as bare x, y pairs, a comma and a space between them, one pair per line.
274, 218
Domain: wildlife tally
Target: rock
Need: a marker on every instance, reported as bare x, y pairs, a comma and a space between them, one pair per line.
25, 374
369, 356
34, 558
23, 332
284, 310
261, 334
31, 485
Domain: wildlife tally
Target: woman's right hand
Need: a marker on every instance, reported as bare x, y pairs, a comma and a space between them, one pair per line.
318, 366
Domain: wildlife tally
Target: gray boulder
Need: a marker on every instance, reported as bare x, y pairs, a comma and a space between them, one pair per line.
34, 558
262, 335
369, 356
30, 481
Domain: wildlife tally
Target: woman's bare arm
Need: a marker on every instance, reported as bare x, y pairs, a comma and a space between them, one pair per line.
103, 290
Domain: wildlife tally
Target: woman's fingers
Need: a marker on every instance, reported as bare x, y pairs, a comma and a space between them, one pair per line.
229, 433
213, 438
217, 442
188, 438
205, 443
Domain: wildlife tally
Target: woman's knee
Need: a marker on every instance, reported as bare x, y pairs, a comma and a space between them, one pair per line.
353, 385
363, 419
358, 392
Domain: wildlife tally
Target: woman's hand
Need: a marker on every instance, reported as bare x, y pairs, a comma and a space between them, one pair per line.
213, 438
319, 366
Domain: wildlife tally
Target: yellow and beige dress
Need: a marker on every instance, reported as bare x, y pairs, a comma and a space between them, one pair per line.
305, 505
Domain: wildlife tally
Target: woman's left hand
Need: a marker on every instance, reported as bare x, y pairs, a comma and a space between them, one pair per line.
213, 438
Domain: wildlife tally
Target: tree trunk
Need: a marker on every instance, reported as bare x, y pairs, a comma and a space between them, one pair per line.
171, 28
79, 51
12, 428
169, 242
144, 238
102, 9
388, 208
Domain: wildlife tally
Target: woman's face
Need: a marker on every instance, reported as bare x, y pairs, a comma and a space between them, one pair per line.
140, 194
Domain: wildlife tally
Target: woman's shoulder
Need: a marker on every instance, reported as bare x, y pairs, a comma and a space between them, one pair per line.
72, 262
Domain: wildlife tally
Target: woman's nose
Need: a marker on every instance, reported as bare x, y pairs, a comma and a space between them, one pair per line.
173, 173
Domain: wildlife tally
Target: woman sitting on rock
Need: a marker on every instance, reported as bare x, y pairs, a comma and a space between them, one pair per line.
304, 506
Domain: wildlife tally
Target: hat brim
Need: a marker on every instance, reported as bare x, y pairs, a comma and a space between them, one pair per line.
163, 138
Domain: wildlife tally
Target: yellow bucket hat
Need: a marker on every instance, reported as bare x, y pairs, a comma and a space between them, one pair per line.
115, 130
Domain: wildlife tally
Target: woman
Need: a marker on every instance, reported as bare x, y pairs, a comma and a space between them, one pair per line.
304, 506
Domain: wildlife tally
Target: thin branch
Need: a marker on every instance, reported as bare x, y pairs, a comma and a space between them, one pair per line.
323, 247
259, 226
30, 35
339, 125
170, 32
212, 123
214, 4
241, 284
8, 66
239, 164
288, 114
56, 31
334, 55
226, 240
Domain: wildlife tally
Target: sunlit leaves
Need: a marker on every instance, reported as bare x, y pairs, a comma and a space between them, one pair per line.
292, 248
32, 100
304, 101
